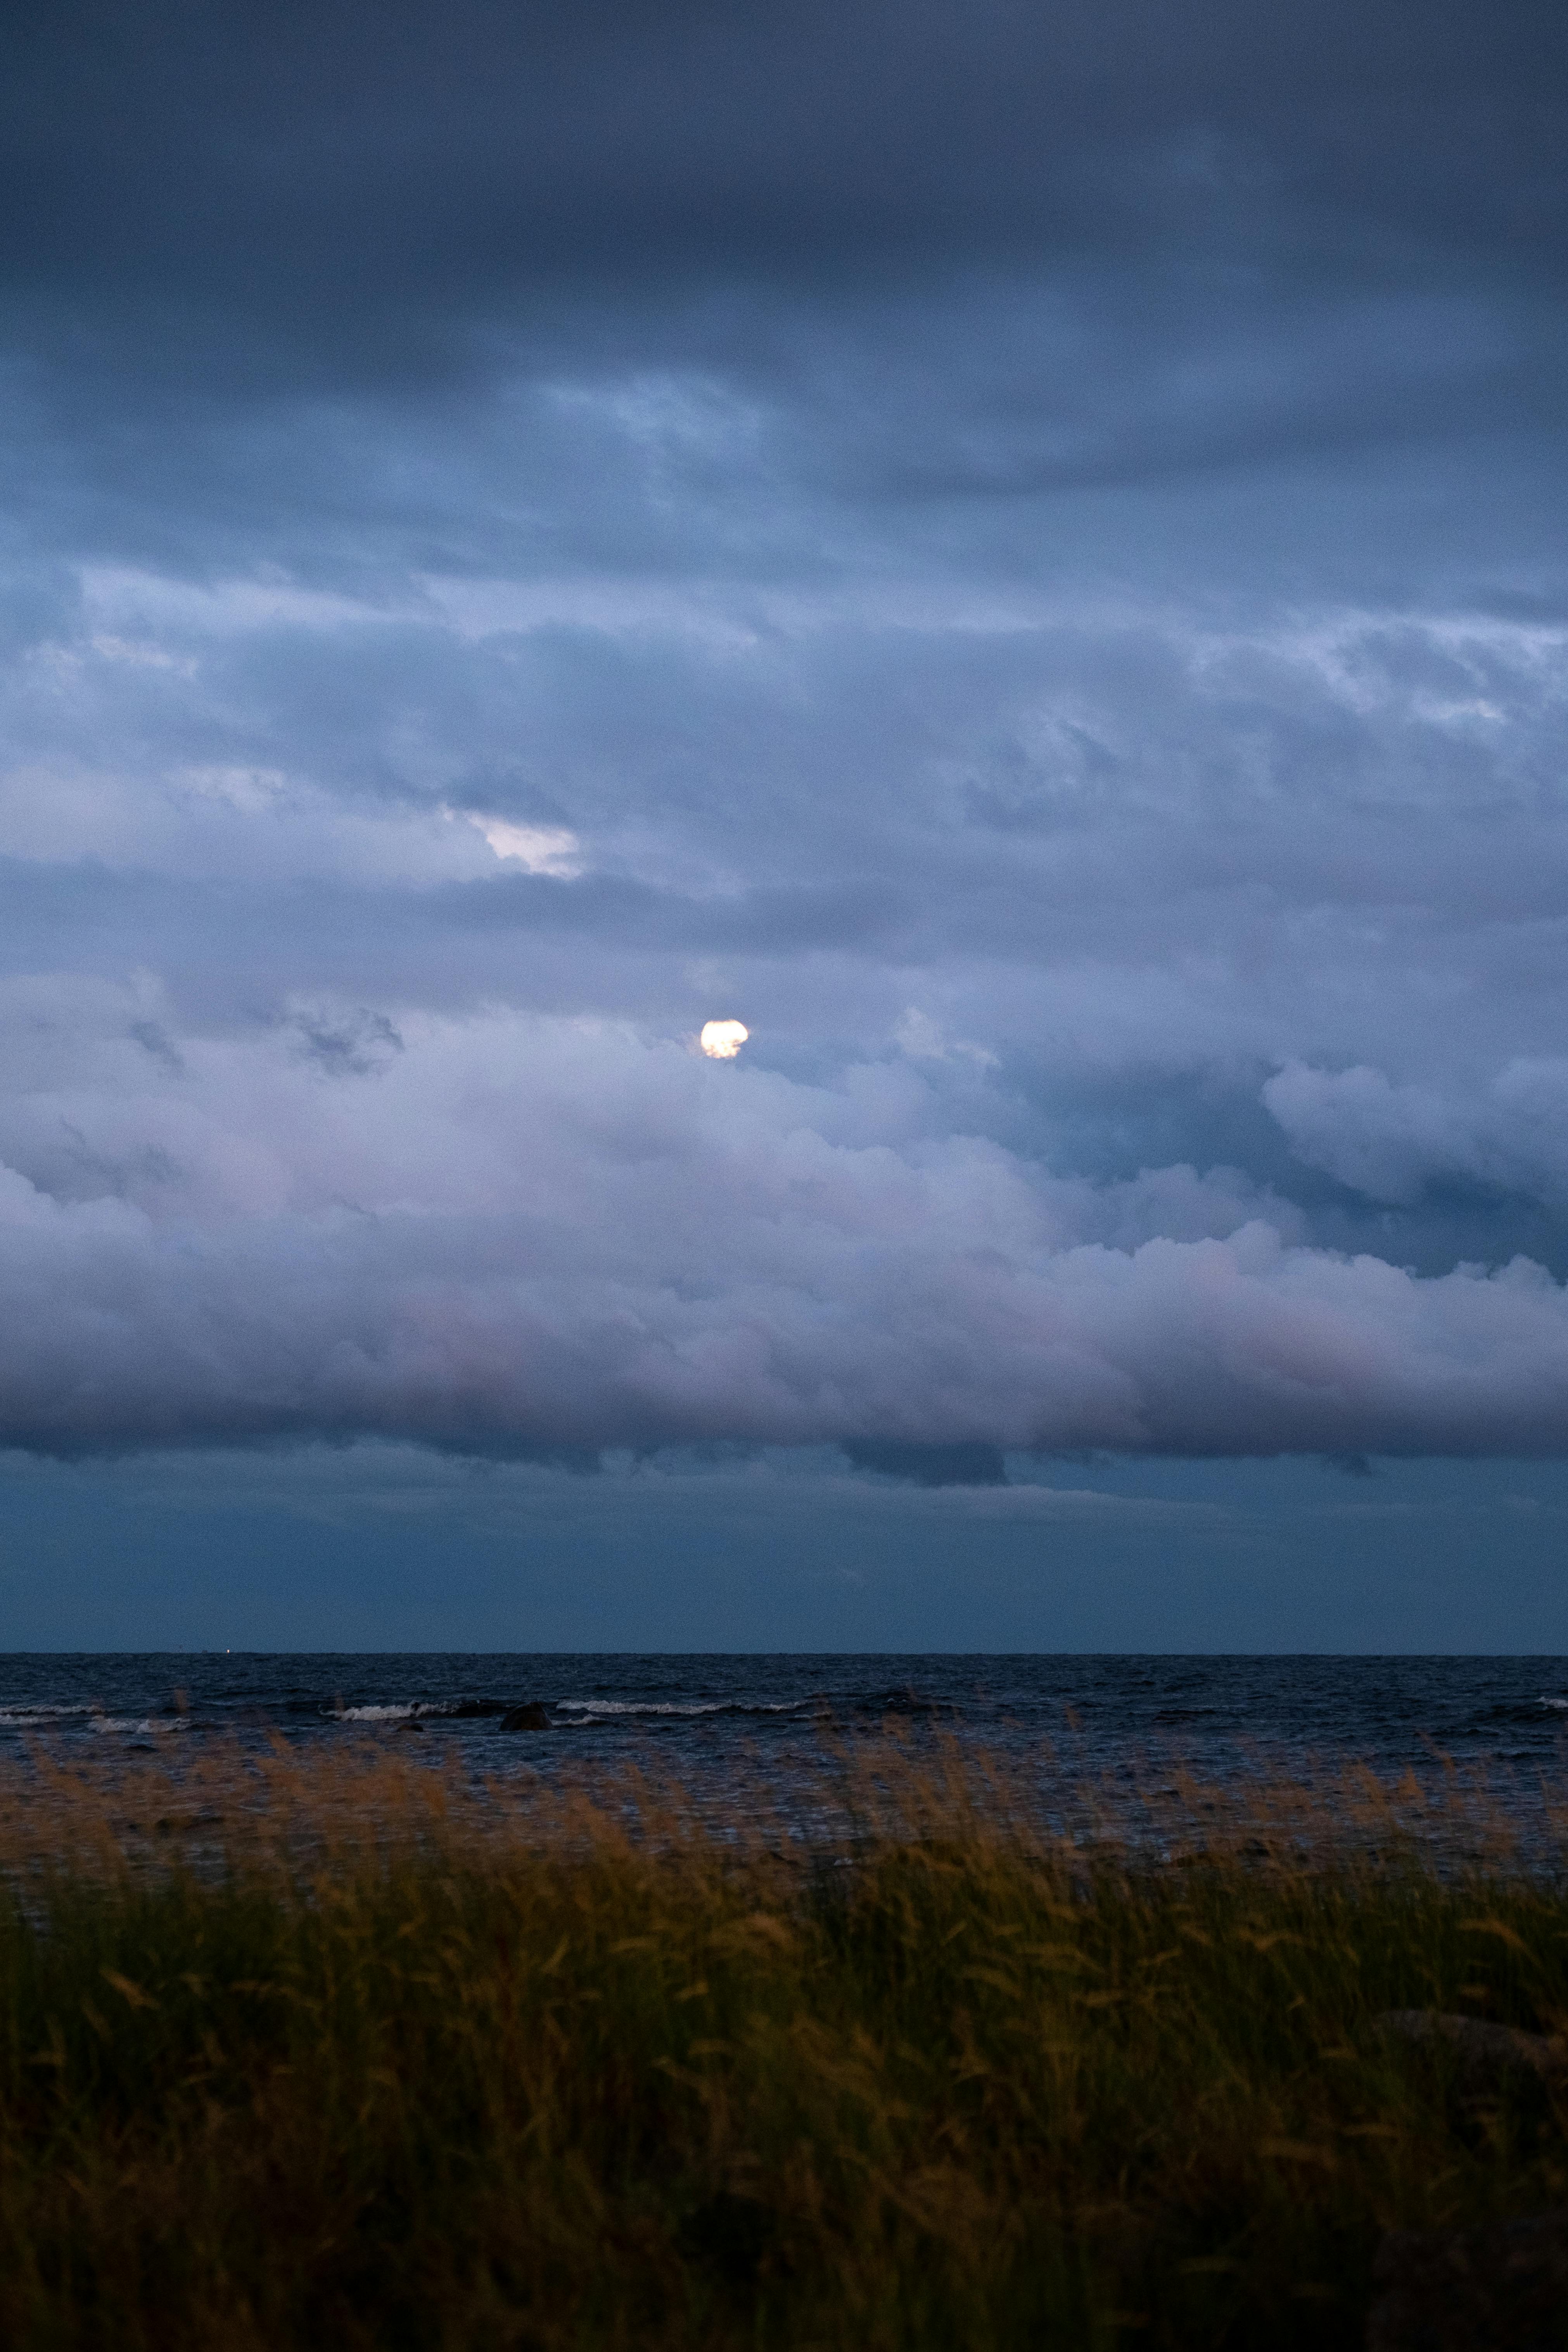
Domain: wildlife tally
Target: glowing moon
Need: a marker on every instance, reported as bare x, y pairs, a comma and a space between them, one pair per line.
723, 1040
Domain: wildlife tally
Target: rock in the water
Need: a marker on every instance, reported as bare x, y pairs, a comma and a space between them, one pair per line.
1485, 2053
1502, 2287
531, 1717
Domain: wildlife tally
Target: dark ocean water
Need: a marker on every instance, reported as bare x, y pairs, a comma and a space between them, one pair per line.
717, 1719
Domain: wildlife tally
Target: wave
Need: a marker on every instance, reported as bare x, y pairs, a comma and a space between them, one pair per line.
442, 1710
89, 1717
814, 1707
596, 1710
1520, 1710
18, 1718
140, 1725
324, 1708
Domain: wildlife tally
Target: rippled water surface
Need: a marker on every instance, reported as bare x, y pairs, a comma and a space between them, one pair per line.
698, 1715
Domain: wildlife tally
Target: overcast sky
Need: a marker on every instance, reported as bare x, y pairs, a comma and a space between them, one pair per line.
1018, 551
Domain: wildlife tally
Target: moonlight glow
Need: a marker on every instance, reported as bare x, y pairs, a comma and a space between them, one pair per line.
723, 1040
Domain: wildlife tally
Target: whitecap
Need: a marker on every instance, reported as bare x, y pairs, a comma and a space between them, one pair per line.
19, 1717
605, 1707
139, 1724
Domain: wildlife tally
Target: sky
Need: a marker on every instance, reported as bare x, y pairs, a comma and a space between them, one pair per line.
1020, 554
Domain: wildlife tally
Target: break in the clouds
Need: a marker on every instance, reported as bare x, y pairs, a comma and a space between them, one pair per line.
1014, 555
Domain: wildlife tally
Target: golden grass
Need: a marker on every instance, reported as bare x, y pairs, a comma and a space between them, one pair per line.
341, 2051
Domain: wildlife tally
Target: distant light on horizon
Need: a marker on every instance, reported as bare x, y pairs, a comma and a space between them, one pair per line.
723, 1040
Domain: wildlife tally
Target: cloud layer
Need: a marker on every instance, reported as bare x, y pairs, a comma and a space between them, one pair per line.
1017, 554
546, 1233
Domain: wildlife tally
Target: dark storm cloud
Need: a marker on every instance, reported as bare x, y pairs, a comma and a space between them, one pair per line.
1260, 229
930, 1466
454, 152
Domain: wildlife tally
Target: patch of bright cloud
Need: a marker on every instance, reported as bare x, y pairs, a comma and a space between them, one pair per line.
918, 1036
537, 849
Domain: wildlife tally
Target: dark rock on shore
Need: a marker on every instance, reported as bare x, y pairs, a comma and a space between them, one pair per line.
1484, 2054
1502, 2287
531, 1717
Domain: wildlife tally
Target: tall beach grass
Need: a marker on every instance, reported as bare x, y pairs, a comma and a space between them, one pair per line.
343, 2051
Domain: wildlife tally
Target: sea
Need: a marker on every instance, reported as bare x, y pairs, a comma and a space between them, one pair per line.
723, 1721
